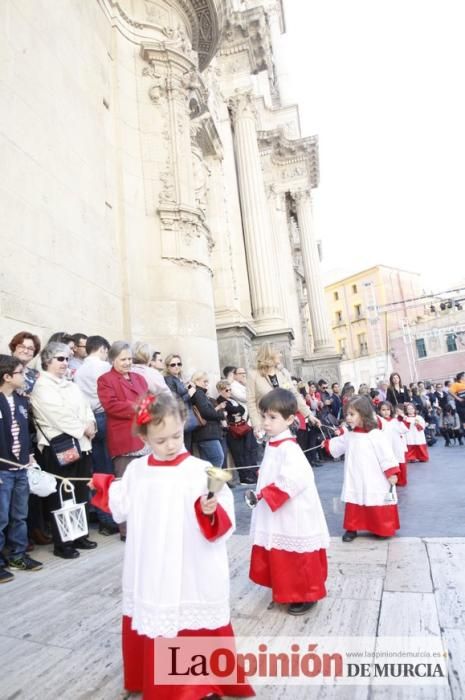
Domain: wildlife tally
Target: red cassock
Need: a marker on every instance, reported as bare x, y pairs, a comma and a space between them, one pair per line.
176, 576
369, 462
289, 529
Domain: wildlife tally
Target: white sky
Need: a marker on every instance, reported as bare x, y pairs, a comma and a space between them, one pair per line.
382, 84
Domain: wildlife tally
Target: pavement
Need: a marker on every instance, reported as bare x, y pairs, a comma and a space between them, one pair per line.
60, 627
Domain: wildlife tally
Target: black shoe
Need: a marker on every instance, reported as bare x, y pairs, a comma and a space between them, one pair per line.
349, 535
122, 538
249, 480
108, 530
66, 552
84, 543
300, 608
5, 575
24, 563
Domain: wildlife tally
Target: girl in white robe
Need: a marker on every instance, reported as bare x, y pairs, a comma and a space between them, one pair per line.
396, 430
370, 468
289, 530
175, 576
417, 449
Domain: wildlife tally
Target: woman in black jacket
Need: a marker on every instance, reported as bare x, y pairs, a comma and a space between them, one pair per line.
173, 379
396, 393
239, 434
208, 437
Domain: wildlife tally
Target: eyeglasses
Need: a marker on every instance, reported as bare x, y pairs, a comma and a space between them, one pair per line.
227, 390
81, 346
240, 372
175, 364
61, 358
26, 348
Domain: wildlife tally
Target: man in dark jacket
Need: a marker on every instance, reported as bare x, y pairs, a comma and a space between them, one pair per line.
15, 448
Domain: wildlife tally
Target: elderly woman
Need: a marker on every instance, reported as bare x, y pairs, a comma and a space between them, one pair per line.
183, 392
60, 409
25, 346
119, 391
270, 375
141, 359
208, 437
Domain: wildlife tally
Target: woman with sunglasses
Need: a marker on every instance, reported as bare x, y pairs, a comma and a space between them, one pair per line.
59, 407
184, 392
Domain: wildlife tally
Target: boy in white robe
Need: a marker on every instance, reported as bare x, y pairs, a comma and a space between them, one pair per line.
289, 530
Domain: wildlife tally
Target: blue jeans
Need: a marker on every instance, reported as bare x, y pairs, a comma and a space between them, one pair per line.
101, 461
211, 451
14, 497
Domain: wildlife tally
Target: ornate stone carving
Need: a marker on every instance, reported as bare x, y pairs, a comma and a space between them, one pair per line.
242, 105
185, 237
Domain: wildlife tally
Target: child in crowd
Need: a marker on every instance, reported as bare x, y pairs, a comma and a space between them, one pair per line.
290, 536
175, 578
396, 431
450, 427
370, 468
417, 449
16, 448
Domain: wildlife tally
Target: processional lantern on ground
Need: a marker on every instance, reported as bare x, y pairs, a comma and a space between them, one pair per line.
71, 518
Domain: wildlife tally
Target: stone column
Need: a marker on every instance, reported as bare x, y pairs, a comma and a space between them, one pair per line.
261, 263
315, 293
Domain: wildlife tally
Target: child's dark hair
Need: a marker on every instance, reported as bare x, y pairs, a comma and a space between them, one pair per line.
280, 401
389, 405
152, 409
8, 364
364, 408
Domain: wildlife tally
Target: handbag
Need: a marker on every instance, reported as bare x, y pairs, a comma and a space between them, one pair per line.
198, 415
65, 448
40, 483
238, 430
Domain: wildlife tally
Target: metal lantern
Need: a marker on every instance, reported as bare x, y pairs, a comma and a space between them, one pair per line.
71, 518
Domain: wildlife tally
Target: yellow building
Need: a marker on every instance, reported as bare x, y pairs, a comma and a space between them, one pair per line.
359, 325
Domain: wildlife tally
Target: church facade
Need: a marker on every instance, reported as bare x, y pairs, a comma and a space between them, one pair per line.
155, 185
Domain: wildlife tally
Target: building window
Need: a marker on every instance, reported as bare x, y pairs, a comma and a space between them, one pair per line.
358, 310
338, 316
421, 347
342, 345
354, 289
362, 344
451, 340
336, 296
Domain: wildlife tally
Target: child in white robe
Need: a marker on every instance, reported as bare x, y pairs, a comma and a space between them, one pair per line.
175, 576
289, 530
396, 430
417, 449
370, 468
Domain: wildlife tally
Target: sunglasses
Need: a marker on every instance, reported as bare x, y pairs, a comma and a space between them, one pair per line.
175, 364
61, 358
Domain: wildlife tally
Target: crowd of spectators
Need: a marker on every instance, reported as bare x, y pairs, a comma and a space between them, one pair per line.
84, 387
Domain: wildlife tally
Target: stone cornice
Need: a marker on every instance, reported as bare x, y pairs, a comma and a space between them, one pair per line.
284, 151
249, 31
204, 24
